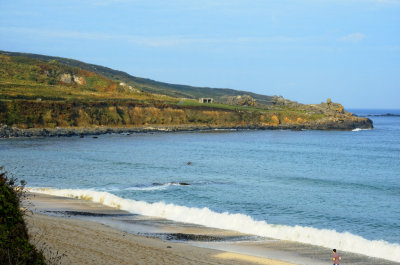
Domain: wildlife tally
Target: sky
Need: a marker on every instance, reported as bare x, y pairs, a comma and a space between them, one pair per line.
303, 50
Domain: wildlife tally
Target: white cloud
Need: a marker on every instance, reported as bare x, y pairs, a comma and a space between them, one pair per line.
56, 33
152, 41
157, 41
353, 37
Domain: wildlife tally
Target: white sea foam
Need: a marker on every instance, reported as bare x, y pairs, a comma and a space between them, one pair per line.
359, 129
238, 222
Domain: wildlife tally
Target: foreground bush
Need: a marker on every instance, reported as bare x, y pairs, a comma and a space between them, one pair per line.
14, 241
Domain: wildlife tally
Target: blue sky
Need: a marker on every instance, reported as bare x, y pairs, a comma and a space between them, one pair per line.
304, 50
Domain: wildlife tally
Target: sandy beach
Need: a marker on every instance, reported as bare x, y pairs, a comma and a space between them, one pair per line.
73, 231
84, 242
89, 242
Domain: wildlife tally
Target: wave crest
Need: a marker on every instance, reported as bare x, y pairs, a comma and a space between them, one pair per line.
238, 222
359, 129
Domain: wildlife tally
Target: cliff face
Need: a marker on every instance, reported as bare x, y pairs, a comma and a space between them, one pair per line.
7, 131
37, 95
43, 118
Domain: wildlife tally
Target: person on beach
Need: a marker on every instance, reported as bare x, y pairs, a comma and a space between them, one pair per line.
336, 258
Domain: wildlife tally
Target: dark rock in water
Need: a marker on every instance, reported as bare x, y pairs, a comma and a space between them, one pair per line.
173, 183
92, 214
381, 115
81, 136
194, 237
95, 137
180, 183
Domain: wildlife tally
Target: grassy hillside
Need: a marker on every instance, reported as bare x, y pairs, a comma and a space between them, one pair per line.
148, 85
27, 78
37, 93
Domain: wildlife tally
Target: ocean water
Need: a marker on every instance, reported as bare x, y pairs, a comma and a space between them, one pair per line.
337, 189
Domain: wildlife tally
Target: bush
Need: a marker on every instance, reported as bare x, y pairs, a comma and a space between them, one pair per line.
14, 240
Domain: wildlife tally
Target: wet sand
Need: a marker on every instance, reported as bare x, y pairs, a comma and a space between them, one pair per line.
84, 232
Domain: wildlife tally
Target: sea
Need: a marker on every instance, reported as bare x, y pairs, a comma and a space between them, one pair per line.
335, 189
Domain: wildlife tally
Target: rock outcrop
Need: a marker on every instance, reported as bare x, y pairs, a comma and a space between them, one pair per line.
69, 79
327, 108
131, 88
244, 100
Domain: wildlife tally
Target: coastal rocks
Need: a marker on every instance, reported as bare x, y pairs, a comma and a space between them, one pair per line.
79, 80
197, 237
281, 101
131, 88
11, 132
341, 123
69, 79
244, 100
8, 132
66, 78
329, 108
347, 123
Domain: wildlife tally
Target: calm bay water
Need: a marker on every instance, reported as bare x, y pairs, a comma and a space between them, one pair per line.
341, 181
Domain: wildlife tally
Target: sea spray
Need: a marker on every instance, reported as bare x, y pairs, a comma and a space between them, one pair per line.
238, 222
359, 129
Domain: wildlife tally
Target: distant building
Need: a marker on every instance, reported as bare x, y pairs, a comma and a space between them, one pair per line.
206, 100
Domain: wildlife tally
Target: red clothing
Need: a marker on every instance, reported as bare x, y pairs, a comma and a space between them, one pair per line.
335, 258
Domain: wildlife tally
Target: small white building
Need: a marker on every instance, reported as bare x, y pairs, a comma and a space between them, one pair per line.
206, 100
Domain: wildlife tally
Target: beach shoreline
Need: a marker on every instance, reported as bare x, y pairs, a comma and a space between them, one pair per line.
86, 241
59, 220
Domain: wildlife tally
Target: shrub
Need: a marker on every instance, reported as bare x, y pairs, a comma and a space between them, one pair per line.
14, 240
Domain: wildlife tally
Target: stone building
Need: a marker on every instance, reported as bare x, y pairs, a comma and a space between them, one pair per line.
206, 100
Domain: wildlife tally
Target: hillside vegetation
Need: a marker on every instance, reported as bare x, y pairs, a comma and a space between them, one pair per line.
148, 85
36, 93
15, 247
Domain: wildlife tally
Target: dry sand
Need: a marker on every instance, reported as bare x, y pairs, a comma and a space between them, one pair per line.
87, 242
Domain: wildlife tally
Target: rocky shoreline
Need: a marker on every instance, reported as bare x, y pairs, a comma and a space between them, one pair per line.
325, 124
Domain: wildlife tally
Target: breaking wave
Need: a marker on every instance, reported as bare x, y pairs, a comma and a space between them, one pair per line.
359, 129
238, 222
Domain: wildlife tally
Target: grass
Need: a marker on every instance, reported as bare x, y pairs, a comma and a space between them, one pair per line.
195, 103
